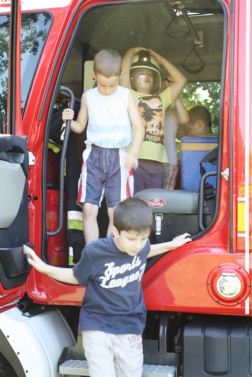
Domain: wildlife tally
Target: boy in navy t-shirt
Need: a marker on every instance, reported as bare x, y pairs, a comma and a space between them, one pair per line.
113, 314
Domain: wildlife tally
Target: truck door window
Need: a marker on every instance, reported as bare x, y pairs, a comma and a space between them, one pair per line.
34, 31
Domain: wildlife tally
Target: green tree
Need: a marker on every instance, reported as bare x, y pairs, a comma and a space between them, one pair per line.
34, 30
206, 94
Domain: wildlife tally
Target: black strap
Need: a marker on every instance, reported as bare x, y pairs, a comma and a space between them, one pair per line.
210, 195
174, 38
193, 71
211, 157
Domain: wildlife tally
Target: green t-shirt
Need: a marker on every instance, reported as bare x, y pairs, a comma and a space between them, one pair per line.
152, 111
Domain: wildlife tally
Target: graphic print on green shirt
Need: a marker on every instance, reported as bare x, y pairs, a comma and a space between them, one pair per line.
150, 109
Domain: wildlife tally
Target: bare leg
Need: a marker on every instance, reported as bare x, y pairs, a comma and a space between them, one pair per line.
111, 211
90, 225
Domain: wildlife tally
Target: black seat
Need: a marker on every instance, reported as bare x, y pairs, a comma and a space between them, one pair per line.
174, 212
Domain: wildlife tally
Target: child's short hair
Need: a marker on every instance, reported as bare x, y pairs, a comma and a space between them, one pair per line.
108, 63
200, 113
133, 214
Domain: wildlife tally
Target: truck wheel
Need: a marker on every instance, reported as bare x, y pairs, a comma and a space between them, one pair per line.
6, 369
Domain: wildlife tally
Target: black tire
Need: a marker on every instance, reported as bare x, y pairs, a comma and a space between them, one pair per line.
6, 369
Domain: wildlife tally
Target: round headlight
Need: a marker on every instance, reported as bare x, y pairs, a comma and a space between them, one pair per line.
228, 285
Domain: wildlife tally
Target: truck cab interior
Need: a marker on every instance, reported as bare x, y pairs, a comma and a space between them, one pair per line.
191, 35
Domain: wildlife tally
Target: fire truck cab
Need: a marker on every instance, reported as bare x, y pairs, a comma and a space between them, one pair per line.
198, 296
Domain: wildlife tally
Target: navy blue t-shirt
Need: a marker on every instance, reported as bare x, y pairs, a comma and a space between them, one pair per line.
113, 301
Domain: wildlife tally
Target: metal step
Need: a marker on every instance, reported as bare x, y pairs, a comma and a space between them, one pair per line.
80, 368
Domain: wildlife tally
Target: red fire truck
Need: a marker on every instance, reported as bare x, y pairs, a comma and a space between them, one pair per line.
198, 297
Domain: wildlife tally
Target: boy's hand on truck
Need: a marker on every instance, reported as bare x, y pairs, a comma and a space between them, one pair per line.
62, 274
182, 239
34, 260
161, 248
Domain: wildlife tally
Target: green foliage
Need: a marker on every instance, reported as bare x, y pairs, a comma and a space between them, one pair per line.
206, 94
34, 30
3, 95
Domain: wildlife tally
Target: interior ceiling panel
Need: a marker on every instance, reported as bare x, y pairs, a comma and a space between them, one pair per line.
133, 24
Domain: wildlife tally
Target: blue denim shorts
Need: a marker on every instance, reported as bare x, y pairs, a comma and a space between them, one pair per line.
103, 173
149, 174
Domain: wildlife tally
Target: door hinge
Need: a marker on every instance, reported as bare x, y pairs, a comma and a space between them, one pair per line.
225, 174
31, 158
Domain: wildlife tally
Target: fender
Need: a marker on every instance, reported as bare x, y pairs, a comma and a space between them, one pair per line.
34, 344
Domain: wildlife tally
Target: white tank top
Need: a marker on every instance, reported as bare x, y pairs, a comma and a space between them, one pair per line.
108, 119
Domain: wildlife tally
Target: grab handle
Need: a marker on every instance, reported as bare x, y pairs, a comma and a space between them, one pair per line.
201, 197
62, 163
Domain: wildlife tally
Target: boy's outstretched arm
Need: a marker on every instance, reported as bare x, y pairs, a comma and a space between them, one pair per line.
181, 114
126, 65
168, 246
135, 118
179, 80
62, 274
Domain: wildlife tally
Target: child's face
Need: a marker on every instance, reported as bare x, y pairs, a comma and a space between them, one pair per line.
130, 242
106, 85
142, 80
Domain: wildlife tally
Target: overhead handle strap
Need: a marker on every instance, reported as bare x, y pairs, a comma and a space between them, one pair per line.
174, 38
193, 71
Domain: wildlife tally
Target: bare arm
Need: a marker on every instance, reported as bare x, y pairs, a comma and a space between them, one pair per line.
168, 246
180, 113
179, 80
131, 161
80, 123
126, 65
62, 274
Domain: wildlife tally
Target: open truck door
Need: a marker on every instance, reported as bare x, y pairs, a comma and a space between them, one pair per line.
14, 163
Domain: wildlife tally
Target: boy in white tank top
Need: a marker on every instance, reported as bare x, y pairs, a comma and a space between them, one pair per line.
109, 110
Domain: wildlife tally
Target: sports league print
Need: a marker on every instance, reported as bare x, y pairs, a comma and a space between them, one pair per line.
111, 280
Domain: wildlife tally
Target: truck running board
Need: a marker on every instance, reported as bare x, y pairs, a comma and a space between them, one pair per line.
80, 368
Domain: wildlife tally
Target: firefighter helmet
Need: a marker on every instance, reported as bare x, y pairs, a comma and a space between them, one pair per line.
143, 59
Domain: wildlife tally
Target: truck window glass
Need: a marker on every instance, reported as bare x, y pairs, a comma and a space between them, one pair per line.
35, 28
